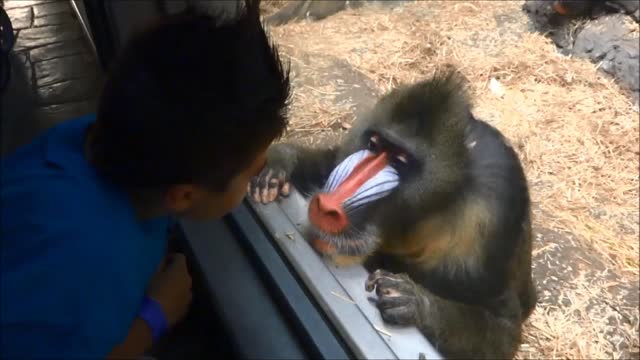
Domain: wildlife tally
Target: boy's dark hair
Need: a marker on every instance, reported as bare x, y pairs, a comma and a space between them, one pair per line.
190, 100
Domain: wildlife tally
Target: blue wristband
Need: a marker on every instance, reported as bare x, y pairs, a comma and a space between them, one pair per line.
151, 312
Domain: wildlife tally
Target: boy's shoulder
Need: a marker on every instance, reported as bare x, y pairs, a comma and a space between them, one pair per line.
50, 163
59, 147
49, 183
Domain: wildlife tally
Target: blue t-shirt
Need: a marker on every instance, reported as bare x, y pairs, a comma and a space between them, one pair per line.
76, 261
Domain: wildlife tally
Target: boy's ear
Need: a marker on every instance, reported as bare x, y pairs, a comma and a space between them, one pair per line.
179, 198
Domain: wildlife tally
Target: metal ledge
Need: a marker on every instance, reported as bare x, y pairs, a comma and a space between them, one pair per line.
340, 291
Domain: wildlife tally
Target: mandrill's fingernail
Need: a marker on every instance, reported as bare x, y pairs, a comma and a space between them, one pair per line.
285, 189
273, 194
369, 286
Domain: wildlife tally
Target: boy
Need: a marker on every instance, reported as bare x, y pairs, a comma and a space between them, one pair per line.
184, 121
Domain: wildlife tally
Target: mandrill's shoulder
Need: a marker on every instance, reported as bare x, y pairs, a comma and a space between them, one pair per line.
497, 181
494, 166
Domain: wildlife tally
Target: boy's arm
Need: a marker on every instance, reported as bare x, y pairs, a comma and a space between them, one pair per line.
171, 289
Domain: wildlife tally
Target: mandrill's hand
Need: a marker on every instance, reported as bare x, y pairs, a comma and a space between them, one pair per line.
269, 184
399, 299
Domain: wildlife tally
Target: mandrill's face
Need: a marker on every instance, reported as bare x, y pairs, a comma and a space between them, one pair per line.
405, 160
340, 213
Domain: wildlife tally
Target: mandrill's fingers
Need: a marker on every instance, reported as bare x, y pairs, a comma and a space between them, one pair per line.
374, 277
389, 284
268, 185
285, 191
397, 298
264, 195
255, 189
264, 186
402, 315
273, 189
284, 184
389, 302
392, 286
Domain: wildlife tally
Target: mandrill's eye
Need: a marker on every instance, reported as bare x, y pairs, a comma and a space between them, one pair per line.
374, 143
402, 163
402, 158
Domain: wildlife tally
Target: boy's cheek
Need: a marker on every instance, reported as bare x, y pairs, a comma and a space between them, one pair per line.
237, 194
210, 205
216, 206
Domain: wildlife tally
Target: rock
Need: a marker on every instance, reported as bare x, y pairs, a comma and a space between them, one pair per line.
606, 40
65, 68
627, 6
55, 19
52, 51
51, 8
68, 91
544, 19
21, 18
17, 105
14, 4
34, 37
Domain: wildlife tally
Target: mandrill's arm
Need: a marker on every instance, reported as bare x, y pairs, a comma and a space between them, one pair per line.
290, 164
457, 330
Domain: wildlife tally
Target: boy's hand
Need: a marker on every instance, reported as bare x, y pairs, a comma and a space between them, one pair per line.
171, 287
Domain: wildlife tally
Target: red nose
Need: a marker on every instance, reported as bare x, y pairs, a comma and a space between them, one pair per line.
326, 212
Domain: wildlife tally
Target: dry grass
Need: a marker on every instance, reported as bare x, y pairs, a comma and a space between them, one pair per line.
575, 130
578, 328
270, 6
314, 108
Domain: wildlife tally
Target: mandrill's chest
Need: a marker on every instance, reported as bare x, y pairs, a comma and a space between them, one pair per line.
426, 244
